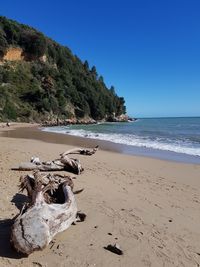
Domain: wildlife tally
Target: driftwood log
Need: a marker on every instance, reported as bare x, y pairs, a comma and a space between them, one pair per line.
63, 163
52, 208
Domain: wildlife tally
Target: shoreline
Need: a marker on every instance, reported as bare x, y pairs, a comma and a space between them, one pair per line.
149, 207
34, 131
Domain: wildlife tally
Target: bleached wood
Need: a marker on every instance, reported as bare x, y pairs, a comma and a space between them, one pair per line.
41, 221
62, 163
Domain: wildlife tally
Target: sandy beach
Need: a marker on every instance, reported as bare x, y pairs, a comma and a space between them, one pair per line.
149, 207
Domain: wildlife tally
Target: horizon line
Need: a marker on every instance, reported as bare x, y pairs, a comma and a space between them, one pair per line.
165, 117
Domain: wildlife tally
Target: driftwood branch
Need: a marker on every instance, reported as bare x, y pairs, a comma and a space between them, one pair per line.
52, 209
63, 163
87, 152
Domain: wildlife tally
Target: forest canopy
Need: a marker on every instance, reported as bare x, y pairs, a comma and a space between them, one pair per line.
50, 80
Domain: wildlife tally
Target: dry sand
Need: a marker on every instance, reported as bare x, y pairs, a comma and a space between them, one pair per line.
151, 208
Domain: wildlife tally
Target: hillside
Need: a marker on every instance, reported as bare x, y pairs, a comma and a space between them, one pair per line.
42, 80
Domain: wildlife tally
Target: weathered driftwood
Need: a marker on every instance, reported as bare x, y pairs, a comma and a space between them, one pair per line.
52, 209
63, 163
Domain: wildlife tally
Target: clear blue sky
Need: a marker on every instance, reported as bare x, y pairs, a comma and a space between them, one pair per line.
148, 49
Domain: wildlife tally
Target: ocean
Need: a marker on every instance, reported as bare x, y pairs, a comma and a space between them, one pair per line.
168, 138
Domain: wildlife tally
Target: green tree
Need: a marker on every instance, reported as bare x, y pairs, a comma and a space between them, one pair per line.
86, 65
9, 111
94, 72
112, 90
33, 43
101, 79
58, 86
3, 45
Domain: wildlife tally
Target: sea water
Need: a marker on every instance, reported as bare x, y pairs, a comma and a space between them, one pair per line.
180, 137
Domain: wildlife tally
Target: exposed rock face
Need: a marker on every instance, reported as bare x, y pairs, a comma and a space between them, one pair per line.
86, 120
56, 122
14, 54
121, 118
43, 58
17, 54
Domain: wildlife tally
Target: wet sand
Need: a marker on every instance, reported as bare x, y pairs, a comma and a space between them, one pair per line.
35, 132
149, 207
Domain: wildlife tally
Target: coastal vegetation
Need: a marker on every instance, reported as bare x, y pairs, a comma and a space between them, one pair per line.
43, 80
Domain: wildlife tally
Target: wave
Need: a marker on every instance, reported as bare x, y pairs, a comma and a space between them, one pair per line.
167, 144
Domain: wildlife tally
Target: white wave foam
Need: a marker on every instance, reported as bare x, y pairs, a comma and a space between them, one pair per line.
131, 140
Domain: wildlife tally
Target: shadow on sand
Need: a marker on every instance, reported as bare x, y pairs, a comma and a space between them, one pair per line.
19, 200
6, 249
